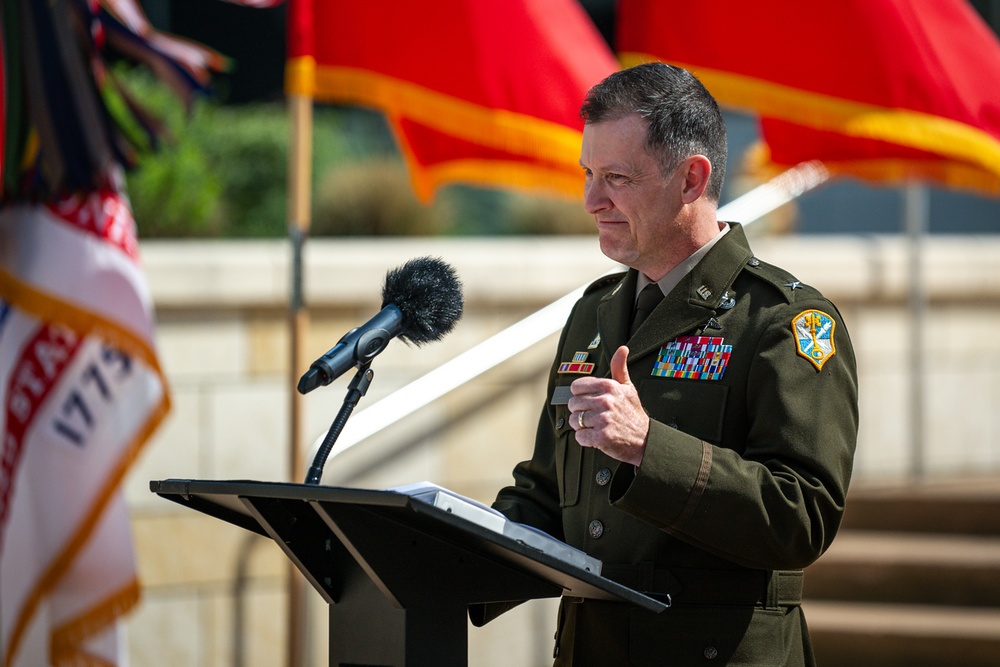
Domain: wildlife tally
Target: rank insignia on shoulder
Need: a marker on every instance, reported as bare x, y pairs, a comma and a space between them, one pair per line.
693, 358
596, 343
813, 331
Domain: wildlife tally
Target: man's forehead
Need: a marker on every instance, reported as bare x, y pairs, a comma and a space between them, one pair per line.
613, 144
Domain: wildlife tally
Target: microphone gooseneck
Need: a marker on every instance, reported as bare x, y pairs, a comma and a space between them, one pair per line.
421, 301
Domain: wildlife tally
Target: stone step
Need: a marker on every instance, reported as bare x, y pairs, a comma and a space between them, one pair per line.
958, 570
881, 635
968, 506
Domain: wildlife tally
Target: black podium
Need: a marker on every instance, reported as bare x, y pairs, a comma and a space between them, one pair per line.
398, 573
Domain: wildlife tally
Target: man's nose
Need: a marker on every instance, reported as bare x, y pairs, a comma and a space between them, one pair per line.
595, 199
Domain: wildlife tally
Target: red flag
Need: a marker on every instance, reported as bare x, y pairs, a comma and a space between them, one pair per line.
885, 90
481, 92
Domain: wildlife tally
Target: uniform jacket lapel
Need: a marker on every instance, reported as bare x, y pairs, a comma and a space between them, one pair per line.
614, 314
689, 305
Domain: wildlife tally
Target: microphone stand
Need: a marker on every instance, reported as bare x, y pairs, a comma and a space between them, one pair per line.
358, 388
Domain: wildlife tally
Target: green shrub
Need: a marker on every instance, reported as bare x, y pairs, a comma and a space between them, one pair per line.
374, 198
247, 149
174, 190
533, 214
224, 173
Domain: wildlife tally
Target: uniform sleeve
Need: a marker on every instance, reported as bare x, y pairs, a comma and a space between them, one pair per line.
778, 502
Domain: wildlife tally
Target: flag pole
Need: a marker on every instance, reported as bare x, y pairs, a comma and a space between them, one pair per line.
915, 213
299, 196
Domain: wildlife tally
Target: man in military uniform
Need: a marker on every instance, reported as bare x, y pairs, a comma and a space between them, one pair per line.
701, 419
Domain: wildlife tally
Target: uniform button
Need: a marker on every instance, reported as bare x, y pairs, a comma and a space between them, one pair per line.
603, 476
754, 261
596, 529
560, 423
672, 425
711, 653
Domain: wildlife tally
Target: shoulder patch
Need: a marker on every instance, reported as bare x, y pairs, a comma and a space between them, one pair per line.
813, 330
603, 281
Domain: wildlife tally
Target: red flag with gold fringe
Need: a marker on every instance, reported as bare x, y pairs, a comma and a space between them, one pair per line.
477, 92
885, 90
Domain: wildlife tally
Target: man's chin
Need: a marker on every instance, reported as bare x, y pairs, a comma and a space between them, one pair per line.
613, 250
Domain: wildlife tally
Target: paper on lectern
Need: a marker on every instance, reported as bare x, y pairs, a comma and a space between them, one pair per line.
489, 518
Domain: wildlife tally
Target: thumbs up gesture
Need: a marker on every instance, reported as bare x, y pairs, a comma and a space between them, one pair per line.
606, 413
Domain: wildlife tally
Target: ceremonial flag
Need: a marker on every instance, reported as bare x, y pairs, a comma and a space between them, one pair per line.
81, 390
479, 92
885, 90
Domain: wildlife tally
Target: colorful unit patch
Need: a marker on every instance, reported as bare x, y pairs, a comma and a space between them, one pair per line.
693, 358
813, 331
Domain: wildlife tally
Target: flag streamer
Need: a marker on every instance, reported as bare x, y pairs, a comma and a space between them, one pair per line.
912, 97
484, 93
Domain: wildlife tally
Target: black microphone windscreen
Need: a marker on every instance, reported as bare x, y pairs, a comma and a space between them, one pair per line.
429, 295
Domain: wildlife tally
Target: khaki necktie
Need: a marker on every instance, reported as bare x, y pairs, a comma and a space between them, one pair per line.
649, 297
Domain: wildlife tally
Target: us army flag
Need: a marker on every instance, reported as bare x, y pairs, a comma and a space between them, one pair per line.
81, 391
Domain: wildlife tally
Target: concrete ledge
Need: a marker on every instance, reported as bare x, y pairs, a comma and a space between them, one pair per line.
203, 274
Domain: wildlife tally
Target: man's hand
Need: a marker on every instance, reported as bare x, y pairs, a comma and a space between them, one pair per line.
606, 413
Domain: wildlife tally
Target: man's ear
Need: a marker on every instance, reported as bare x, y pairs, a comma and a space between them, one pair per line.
697, 170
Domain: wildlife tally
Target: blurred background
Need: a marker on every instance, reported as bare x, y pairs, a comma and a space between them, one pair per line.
240, 311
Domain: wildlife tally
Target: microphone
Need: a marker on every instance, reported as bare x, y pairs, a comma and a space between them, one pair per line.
421, 301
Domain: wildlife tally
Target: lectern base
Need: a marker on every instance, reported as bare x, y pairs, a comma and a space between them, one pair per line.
371, 632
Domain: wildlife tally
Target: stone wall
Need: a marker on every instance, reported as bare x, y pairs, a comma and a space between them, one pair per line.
215, 595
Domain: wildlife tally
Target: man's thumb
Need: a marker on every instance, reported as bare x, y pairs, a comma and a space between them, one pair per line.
619, 366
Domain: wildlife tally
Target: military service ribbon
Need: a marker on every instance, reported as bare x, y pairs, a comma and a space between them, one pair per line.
693, 358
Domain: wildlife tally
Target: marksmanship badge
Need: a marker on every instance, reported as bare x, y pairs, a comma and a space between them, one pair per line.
813, 331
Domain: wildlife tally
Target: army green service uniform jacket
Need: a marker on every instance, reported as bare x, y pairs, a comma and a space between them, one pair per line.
749, 379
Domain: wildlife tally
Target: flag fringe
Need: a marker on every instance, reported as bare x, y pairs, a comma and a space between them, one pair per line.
974, 149
48, 308
759, 163
503, 130
490, 173
65, 646
55, 571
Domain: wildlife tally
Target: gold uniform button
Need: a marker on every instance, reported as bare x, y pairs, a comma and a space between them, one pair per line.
596, 529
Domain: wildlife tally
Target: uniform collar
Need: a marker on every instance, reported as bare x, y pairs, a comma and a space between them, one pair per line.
674, 276
688, 306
